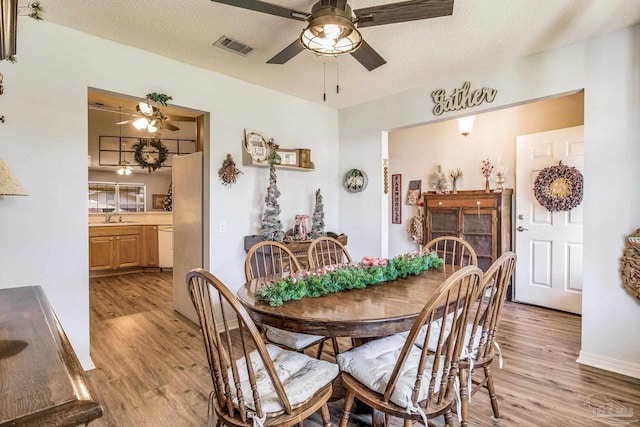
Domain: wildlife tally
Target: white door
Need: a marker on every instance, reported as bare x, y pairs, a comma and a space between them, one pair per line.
548, 244
187, 228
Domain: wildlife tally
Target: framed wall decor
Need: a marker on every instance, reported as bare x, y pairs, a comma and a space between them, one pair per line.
396, 199
414, 192
288, 157
157, 202
355, 180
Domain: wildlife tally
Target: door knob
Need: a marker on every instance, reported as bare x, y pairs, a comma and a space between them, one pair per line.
521, 229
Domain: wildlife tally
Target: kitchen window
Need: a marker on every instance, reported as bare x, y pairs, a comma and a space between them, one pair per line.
116, 197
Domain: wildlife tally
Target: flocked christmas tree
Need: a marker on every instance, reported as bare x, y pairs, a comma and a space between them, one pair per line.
168, 201
317, 221
271, 225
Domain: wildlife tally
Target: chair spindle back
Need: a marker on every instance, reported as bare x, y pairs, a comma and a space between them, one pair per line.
488, 308
325, 251
451, 304
453, 250
230, 364
268, 257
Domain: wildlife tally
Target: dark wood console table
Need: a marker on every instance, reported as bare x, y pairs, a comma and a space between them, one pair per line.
41, 380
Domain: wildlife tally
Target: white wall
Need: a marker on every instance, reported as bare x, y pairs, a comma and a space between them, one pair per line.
44, 142
608, 69
415, 152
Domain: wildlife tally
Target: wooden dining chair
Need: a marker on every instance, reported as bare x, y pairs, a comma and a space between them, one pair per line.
453, 250
481, 344
325, 251
269, 257
254, 382
396, 377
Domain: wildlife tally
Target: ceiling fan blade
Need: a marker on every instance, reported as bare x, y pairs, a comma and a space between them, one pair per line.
403, 11
126, 121
173, 118
287, 53
264, 7
170, 126
368, 57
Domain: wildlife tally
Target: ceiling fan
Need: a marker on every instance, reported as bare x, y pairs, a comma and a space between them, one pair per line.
146, 117
152, 119
333, 27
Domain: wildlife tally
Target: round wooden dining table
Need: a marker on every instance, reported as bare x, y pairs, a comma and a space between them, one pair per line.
375, 311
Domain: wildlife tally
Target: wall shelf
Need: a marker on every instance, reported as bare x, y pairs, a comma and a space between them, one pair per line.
247, 160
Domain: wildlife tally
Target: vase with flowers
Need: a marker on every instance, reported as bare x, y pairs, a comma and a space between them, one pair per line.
487, 169
455, 174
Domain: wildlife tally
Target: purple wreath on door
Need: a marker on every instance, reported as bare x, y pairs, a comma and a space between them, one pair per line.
559, 188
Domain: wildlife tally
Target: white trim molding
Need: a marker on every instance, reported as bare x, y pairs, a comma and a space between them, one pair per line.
609, 364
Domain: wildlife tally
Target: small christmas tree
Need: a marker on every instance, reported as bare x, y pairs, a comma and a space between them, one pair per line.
168, 201
317, 221
271, 225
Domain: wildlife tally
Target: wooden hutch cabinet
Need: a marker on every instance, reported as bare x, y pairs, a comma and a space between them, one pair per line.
480, 218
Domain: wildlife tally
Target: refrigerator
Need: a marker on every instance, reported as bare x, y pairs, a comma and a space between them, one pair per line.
187, 227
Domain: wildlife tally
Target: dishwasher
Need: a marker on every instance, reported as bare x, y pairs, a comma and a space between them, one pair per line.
165, 246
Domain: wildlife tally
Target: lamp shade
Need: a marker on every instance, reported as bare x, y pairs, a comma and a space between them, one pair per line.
9, 185
465, 124
8, 25
331, 31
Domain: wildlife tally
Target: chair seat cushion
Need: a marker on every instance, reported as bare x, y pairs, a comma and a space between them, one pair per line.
373, 363
435, 332
301, 376
292, 340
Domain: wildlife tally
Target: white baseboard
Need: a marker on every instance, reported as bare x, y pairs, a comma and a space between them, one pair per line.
609, 364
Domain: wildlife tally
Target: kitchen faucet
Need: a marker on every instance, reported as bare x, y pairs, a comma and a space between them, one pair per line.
108, 216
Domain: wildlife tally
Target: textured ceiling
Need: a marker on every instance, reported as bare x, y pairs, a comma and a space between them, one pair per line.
478, 34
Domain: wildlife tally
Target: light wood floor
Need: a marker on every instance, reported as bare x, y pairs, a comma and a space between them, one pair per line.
151, 369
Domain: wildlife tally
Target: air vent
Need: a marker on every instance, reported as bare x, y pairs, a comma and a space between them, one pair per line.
228, 43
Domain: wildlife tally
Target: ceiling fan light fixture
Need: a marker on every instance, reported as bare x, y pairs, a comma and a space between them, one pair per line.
152, 128
125, 169
331, 35
145, 108
141, 123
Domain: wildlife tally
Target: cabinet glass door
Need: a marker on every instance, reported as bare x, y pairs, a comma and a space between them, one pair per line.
442, 222
478, 228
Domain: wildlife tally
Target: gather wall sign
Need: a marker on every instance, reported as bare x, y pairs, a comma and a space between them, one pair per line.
461, 98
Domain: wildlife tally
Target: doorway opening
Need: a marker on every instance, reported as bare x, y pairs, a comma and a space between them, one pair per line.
111, 134
416, 152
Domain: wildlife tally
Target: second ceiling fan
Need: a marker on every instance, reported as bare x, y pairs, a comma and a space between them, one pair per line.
332, 28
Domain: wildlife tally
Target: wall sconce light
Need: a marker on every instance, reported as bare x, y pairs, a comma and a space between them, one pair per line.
9, 185
465, 125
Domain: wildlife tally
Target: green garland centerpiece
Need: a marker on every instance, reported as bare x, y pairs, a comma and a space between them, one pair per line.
342, 277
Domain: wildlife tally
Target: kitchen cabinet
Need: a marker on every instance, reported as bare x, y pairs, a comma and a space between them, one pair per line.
114, 247
482, 219
149, 252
